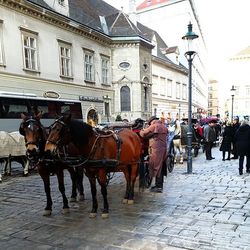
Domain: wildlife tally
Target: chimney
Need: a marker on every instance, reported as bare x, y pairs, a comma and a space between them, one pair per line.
132, 12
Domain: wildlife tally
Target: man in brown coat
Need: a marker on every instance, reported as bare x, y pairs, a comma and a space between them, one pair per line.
157, 134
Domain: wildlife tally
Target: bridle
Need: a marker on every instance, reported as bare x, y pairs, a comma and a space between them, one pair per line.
30, 124
64, 129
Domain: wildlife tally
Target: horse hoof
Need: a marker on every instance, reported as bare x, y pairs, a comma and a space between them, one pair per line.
130, 202
125, 201
81, 197
65, 210
92, 215
72, 199
105, 215
47, 212
25, 175
181, 162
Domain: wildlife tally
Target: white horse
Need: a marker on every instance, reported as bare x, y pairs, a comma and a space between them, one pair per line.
12, 148
176, 128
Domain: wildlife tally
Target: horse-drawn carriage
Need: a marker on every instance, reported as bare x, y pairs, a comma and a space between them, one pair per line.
180, 130
12, 148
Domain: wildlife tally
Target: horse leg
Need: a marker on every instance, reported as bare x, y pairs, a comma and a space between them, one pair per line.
73, 176
26, 166
133, 174
181, 154
92, 181
80, 183
8, 165
127, 177
46, 182
102, 179
60, 178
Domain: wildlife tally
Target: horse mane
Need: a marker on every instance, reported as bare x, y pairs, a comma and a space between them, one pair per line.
80, 132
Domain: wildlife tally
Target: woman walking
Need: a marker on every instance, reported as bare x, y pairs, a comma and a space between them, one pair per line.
227, 140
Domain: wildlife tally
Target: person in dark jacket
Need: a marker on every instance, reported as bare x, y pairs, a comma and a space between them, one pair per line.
227, 140
209, 135
157, 134
242, 143
236, 125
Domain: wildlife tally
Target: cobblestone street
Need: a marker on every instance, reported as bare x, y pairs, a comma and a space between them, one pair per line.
209, 209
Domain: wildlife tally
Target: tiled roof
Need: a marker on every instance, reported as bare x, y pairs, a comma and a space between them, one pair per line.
106, 19
88, 13
244, 52
150, 3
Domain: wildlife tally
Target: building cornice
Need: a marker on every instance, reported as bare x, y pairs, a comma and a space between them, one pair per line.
55, 19
54, 82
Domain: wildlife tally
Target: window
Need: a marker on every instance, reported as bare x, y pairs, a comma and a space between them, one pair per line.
65, 59
155, 86
105, 70
169, 88
247, 90
89, 72
184, 91
178, 90
125, 98
61, 2
1, 44
162, 86
146, 94
30, 49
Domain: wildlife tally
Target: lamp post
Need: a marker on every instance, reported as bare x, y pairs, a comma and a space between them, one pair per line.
190, 54
232, 90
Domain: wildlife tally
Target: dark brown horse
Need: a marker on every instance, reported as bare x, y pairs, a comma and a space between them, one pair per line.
35, 138
100, 153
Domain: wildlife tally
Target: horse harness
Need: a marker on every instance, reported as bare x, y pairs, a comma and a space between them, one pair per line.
89, 161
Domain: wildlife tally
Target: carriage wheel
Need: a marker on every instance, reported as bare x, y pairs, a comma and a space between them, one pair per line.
145, 179
170, 158
148, 178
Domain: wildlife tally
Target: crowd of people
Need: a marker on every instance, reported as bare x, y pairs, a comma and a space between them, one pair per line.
234, 141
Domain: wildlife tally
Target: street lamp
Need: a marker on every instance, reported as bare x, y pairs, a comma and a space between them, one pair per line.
232, 90
189, 37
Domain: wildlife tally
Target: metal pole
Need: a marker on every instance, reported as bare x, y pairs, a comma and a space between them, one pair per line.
189, 133
232, 115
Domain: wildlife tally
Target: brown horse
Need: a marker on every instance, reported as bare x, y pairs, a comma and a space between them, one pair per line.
100, 153
35, 138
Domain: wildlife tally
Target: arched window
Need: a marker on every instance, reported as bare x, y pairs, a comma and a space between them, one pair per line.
125, 98
146, 94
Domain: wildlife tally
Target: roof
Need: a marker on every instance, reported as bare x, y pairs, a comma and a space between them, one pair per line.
244, 52
150, 3
100, 16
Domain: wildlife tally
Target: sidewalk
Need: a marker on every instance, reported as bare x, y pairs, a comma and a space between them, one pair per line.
209, 209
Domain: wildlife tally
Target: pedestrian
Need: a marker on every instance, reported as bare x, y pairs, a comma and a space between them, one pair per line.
227, 140
209, 135
242, 144
236, 125
156, 132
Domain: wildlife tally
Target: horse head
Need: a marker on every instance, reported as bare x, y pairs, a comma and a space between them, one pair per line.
64, 132
58, 135
33, 132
